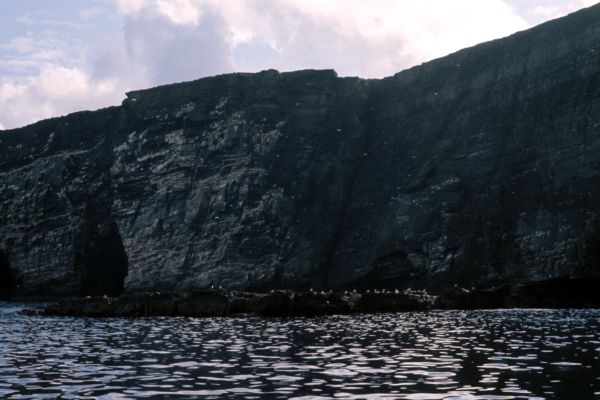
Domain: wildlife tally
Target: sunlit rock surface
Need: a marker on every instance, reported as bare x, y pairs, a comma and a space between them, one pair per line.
476, 169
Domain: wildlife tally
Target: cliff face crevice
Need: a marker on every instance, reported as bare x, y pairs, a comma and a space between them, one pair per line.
7, 279
100, 262
476, 169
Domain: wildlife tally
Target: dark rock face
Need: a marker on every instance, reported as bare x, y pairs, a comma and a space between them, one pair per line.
476, 169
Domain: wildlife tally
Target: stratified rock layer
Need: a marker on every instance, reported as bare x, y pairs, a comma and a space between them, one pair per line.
476, 169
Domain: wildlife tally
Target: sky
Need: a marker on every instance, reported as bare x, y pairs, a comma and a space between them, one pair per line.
61, 56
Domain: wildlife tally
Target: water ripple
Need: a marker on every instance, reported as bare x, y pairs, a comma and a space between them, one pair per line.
510, 354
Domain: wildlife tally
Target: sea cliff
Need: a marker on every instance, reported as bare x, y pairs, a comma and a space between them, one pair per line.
477, 169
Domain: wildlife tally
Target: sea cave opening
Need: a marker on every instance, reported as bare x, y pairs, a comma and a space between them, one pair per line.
101, 262
7, 278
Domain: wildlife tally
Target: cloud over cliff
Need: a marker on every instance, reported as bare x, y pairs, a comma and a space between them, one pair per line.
57, 61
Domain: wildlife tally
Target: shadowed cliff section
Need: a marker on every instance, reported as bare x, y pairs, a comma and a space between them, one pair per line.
100, 260
476, 169
7, 279
483, 165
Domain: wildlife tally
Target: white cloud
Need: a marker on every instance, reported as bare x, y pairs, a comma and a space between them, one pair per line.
33, 48
54, 91
404, 33
546, 12
163, 41
369, 39
179, 11
130, 6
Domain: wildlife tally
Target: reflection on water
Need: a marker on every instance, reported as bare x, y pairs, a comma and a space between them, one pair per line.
511, 354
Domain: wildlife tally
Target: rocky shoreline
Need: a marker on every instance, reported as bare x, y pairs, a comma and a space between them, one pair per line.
220, 303
565, 292
552, 293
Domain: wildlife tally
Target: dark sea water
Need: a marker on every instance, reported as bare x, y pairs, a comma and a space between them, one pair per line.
509, 354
